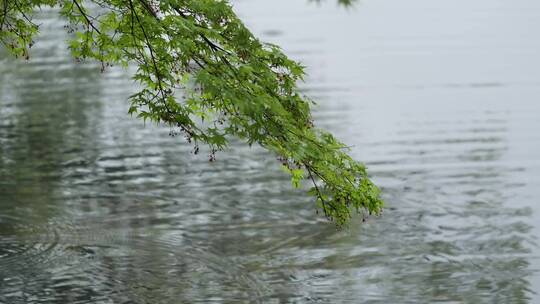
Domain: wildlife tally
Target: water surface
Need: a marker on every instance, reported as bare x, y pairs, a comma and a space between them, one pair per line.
439, 98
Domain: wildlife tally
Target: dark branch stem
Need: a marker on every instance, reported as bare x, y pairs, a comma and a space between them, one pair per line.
90, 23
319, 194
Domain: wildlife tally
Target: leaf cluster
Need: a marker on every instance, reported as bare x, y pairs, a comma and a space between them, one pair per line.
203, 72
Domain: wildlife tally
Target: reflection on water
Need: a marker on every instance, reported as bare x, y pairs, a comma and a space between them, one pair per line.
439, 98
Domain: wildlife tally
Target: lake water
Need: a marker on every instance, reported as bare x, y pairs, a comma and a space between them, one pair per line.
441, 100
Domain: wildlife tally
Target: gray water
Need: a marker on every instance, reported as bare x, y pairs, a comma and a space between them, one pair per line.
441, 99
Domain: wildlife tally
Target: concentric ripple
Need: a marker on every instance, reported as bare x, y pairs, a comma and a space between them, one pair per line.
48, 261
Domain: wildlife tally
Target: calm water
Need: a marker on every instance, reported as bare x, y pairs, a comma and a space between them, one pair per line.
441, 99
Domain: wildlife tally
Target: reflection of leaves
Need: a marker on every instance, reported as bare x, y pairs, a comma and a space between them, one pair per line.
345, 3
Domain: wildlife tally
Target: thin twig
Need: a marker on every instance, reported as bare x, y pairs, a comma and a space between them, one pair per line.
90, 23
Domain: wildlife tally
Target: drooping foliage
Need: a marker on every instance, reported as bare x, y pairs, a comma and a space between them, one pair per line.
203, 72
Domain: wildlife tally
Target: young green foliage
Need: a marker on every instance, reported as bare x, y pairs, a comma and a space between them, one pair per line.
204, 72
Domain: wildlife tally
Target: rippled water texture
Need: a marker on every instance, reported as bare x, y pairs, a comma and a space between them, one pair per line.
441, 99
